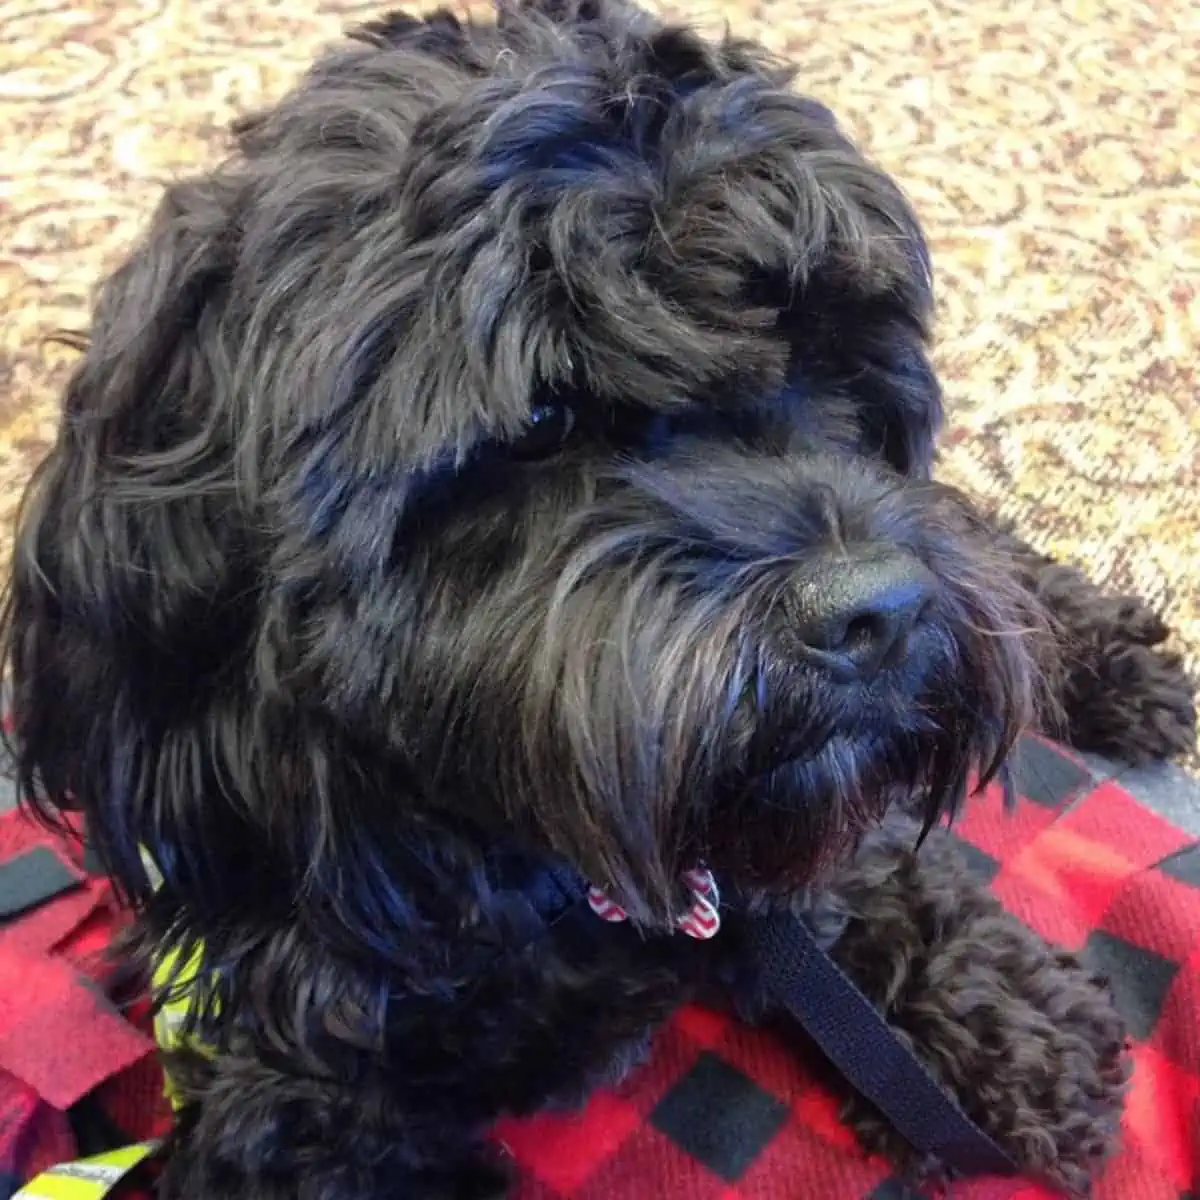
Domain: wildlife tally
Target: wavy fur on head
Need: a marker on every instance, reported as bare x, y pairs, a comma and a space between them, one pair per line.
433, 492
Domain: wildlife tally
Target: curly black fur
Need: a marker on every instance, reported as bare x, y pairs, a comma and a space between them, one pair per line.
1122, 693
1023, 1034
433, 492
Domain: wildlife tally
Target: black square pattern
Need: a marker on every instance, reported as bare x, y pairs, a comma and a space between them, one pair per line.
982, 865
894, 1189
1046, 776
1140, 979
719, 1117
1183, 865
31, 879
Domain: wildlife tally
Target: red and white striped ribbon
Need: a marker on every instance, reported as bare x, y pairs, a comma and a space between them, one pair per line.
701, 921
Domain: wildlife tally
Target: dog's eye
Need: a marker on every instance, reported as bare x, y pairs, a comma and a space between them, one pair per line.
549, 427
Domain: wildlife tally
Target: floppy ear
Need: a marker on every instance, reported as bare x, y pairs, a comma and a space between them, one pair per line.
137, 622
131, 595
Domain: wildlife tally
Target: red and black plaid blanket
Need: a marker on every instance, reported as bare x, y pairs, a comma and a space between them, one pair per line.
78, 1073
720, 1112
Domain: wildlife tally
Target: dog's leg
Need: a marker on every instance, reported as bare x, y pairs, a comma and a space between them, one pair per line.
1123, 693
1022, 1035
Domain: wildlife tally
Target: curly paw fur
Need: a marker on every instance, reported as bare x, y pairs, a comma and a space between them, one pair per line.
1024, 1036
1124, 692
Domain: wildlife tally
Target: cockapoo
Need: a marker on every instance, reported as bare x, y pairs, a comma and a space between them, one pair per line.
511, 471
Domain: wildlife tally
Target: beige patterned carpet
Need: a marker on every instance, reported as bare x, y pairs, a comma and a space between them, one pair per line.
1052, 147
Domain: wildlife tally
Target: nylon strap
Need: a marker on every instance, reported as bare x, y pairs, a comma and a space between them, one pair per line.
86, 1178
856, 1039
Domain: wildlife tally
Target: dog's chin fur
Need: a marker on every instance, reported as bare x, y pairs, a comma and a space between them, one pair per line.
436, 478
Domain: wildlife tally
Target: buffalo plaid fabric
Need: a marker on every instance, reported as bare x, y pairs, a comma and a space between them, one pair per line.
78, 1075
722, 1112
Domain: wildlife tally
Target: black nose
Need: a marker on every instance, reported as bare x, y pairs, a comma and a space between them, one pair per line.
854, 612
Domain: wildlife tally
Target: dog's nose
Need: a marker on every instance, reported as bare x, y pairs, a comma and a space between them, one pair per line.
854, 613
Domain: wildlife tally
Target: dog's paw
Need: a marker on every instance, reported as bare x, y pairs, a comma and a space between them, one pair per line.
1133, 701
1040, 1065
1124, 693
1136, 621
1023, 1036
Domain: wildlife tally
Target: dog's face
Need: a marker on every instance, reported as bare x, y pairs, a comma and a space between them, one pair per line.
527, 435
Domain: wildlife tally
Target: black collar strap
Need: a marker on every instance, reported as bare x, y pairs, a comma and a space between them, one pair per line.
853, 1035
802, 978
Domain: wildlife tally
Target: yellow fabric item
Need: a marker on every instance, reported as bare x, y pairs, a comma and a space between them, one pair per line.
170, 1018
88, 1178
176, 982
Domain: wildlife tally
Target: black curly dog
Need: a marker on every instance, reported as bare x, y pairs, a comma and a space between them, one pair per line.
518, 454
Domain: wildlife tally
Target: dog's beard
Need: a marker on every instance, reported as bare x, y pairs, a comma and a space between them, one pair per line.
664, 717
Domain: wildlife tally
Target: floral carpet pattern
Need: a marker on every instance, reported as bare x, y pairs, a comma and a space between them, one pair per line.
1052, 148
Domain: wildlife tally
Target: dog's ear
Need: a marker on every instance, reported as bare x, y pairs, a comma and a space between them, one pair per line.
131, 593
132, 623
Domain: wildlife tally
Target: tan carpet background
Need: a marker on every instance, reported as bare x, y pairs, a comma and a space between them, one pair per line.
1052, 147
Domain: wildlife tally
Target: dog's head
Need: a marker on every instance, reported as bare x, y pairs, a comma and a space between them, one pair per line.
525, 435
